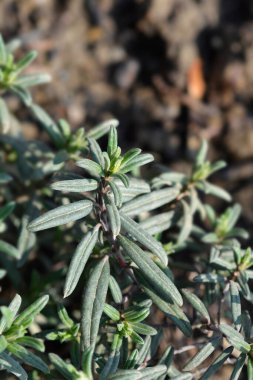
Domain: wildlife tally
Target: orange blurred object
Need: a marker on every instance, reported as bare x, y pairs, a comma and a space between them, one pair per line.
196, 85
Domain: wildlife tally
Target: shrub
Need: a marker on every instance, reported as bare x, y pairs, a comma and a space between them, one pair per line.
130, 245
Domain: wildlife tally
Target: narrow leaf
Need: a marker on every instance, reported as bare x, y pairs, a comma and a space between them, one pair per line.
217, 364
75, 185
197, 304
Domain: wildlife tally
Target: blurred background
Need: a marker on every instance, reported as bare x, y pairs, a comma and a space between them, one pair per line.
172, 72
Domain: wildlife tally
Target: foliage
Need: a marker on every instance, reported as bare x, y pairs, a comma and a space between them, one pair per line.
122, 241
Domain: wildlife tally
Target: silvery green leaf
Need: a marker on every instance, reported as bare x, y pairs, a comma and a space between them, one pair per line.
29, 341
11, 365
166, 359
203, 354
111, 365
28, 357
32, 80
75, 185
135, 162
150, 201
208, 278
235, 304
9, 249
3, 343
173, 312
61, 215
67, 370
217, 191
116, 190
79, 260
186, 223
6, 210
218, 165
26, 240
3, 51
197, 304
87, 363
13, 308
113, 216
235, 338
136, 314
115, 290
182, 376
93, 302
158, 223
131, 360
169, 178
142, 328
94, 169
23, 94
48, 124
102, 128
246, 323
136, 187
217, 363
144, 352
244, 286
250, 369
96, 153
151, 373
5, 118
112, 141
238, 367
138, 233
233, 216
25, 61
125, 374
202, 152
111, 312
26, 317
5, 178
129, 155
154, 275
123, 178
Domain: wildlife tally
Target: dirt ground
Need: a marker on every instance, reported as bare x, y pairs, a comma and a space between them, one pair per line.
171, 72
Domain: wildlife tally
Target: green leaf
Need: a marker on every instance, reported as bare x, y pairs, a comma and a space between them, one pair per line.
173, 312
3, 51
136, 314
113, 216
151, 373
235, 338
217, 191
9, 250
32, 80
112, 142
135, 162
24, 94
250, 369
166, 359
111, 312
49, 125
101, 129
217, 364
11, 365
238, 367
3, 343
93, 302
94, 169
75, 185
123, 178
5, 117
197, 304
142, 328
187, 223
96, 152
203, 354
235, 304
125, 374
116, 193
25, 61
158, 223
29, 341
66, 370
150, 201
64, 317
61, 215
26, 317
154, 275
136, 187
202, 152
115, 290
111, 365
211, 278
79, 260
138, 233
87, 363
28, 357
